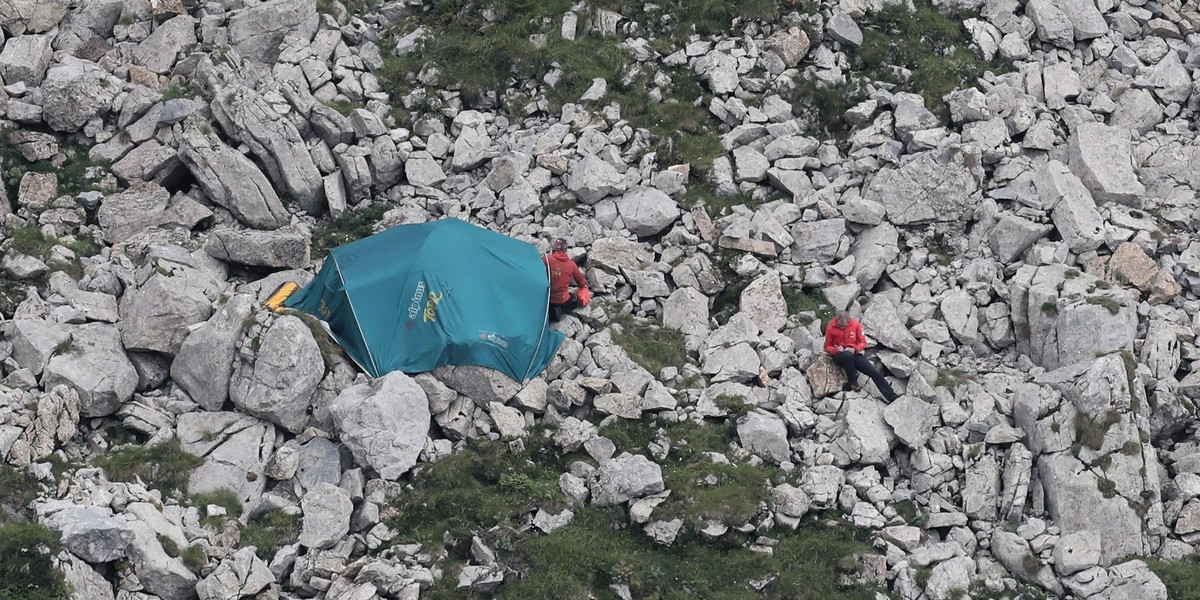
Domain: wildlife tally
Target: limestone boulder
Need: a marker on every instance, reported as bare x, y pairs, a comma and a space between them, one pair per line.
384, 423
276, 373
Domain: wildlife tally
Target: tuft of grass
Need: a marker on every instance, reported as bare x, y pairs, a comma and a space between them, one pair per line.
194, 558
1050, 308
165, 467
17, 490
801, 301
169, 546
185, 90
342, 106
26, 571
653, 347
1090, 433
352, 225
1113, 306
268, 532
225, 499
1107, 487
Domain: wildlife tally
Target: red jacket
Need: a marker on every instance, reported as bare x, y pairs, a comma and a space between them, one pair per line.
562, 271
851, 336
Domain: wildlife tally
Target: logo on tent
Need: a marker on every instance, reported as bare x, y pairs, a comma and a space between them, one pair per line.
431, 306
494, 339
414, 306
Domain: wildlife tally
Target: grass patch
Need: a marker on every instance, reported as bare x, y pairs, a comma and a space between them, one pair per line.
1050, 308
17, 490
1111, 305
1090, 432
934, 46
801, 301
194, 558
72, 173
1181, 577
651, 346
169, 546
352, 225
342, 106
463, 493
480, 56
165, 467
825, 105
178, 90
703, 490
270, 531
225, 499
705, 17
26, 571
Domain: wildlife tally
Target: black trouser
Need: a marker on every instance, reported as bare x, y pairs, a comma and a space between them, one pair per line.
558, 310
854, 362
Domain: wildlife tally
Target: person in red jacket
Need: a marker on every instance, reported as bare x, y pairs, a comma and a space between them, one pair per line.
563, 271
844, 340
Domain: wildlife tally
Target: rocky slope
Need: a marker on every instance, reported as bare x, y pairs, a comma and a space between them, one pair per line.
1020, 252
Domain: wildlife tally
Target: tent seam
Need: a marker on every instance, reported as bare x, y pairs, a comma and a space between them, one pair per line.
545, 325
354, 313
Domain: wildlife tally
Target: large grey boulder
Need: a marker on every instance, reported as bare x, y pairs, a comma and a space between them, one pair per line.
25, 59
160, 574
764, 434
686, 310
92, 533
1074, 211
76, 90
873, 251
472, 148
247, 117
626, 477
863, 435
35, 341
1102, 158
203, 365
156, 315
1086, 20
762, 300
240, 576
1053, 25
422, 170
480, 384
1012, 235
231, 180
159, 51
927, 187
1012, 551
257, 32
83, 580
129, 212
1074, 499
235, 448
19, 17
647, 211
1062, 316
591, 179
327, 509
276, 373
817, 241
286, 247
881, 319
96, 368
384, 423
912, 419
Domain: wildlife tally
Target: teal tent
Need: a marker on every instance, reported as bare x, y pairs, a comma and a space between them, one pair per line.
414, 297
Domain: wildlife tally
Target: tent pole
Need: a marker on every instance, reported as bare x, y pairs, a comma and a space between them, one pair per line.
545, 325
354, 314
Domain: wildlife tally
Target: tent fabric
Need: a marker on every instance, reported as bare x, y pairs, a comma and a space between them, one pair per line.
415, 297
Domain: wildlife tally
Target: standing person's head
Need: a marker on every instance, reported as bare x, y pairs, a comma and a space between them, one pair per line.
560, 245
842, 319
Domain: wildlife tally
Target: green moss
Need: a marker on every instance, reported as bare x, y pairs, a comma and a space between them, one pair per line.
165, 467
26, 571
268, 532
651, 346
342, 106
1107, 487
353, 225
951, 378
169, 546
17, 490
1111, 305
1050, 308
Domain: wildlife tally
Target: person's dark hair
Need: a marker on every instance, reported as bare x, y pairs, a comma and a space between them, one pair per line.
560, 245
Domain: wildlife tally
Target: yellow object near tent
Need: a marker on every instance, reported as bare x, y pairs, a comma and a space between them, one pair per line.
281, 294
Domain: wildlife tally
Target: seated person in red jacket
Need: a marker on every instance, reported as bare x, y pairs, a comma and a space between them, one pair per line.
563, 271
845, 341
